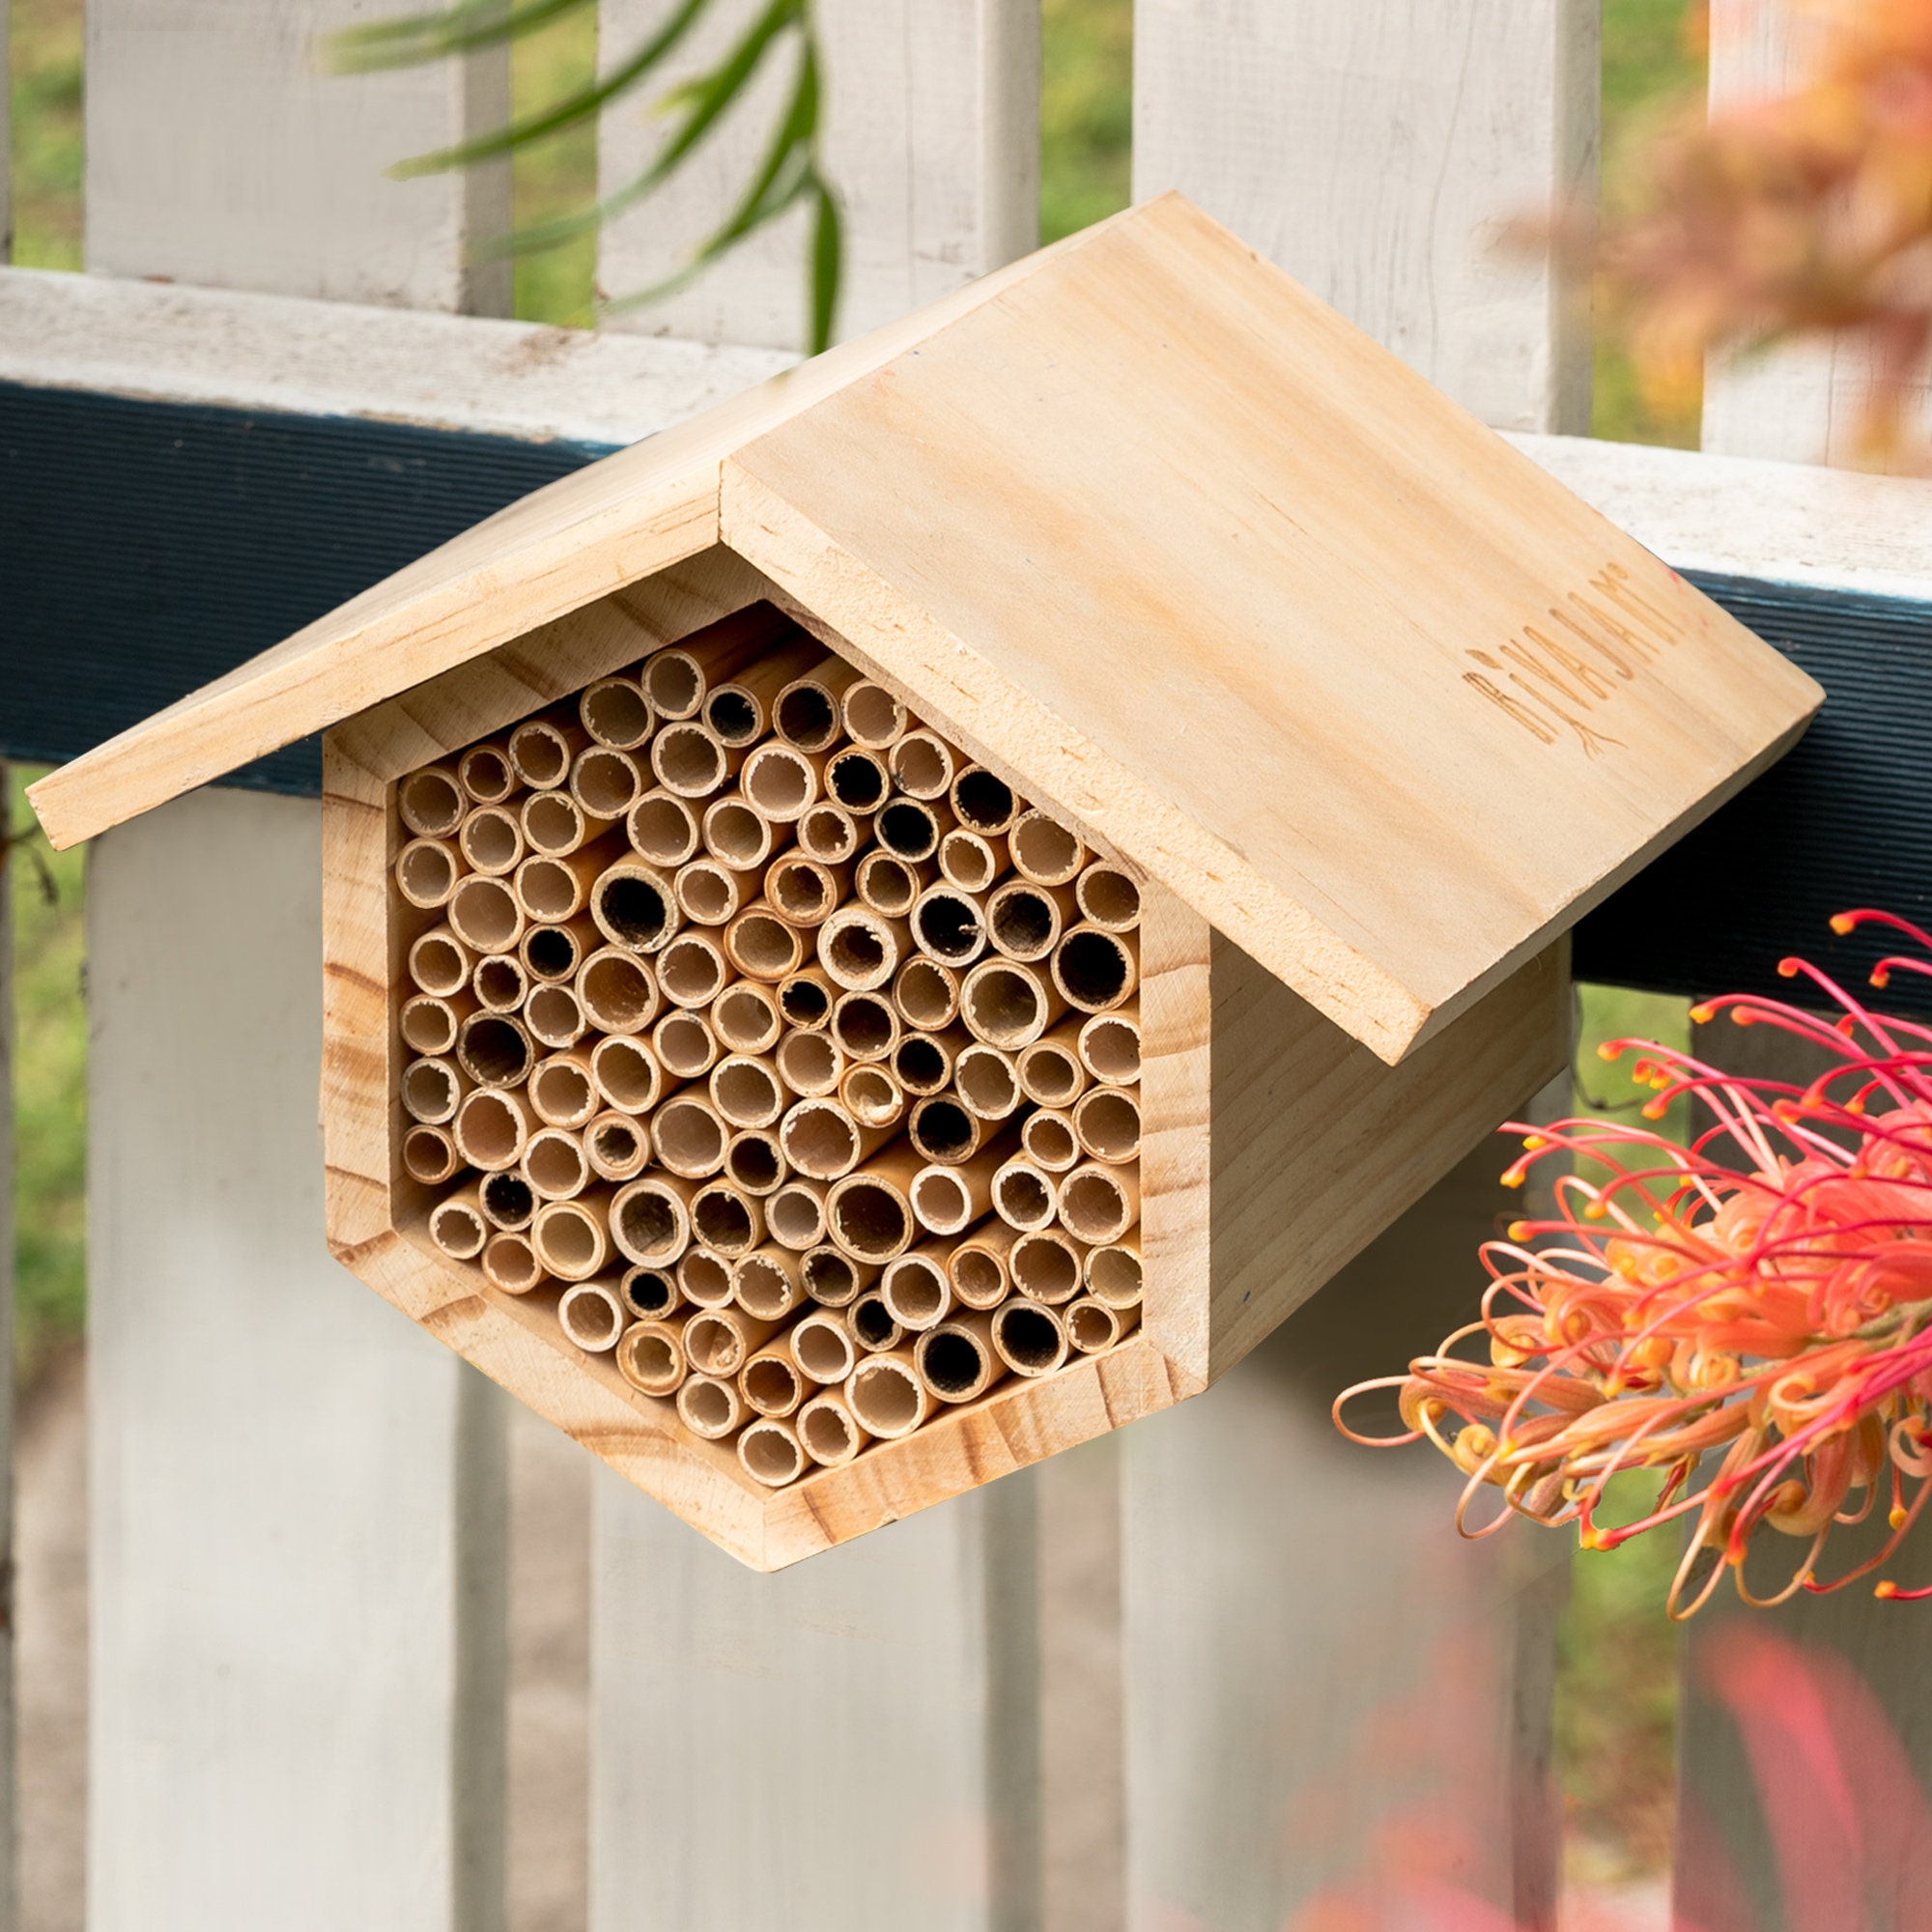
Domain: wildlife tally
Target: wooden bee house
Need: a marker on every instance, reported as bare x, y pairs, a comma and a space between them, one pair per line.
908, 922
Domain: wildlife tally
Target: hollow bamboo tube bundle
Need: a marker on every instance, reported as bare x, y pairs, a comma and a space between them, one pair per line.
940, 1130
685, 1046
745, 1017
692, 761
804, 891
833, 1278
553, 888
727, 1220
617, 1147
720, 1341
495, 1050
865, 1025
795, 1214
869, 1213
889, 884
1100, 1204
431, 801
1024, 1196
922, 764
709, 894
571, 1238
956, 1359
948, 1198
1051, 1072
541, 750
987, 1082
1093, 1326
823, 1142
984, 802
830, 833
616, 711
484, 772
429, 1023
563, 1090
1114, 1273
554, 954
428, 1154
508, 1199
592, 1315
810, 1065
871, 1097
692, 971
510, 1262
1044, 850
663, 830
491, 840
554, 824
821, 1347
737, 835
926, 994
492, 1127
971, 861
635, 905
861, 950
650, 1219
831, 1437
650, 1355
1108, 896
886, 1396
1107, 1123
1009, 1004
949, 925
766, 1283
607, 782
780, 783
755, 1161
1097, 971
738, 707
1048, 1265
1030, 1337
456, 1225
858, 780
1048, 1140
977, 1269
806, 712
1025, 921
500, 984
628, 1076
675, 682
440, 962
556, 1018
872, 1325
771, 1452
805, 998
911, 829
917, 1288
764, 946
555, 1165
427, 873
770, 1382
650, 1293
704, 1278
922, 1063
708, 1406
1110, 1047
747, 1091
617, 990
688, 1136
874, 717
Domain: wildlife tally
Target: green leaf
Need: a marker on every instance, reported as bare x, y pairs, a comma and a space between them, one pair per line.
827, 258
414, 38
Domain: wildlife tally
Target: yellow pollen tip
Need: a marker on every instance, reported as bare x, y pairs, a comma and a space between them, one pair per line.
1888, 1588
1594, 1211
1703, 1016
1512, 1176
1787, 969
1653, 1110
1520, 1231
1897, 1518
1740, 1018
1609, 1052
1532, 1141
1586, 1538
1880, 978
1843, 924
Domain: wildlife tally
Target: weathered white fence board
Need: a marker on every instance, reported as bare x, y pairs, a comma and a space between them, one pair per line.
932, 119
1375, 151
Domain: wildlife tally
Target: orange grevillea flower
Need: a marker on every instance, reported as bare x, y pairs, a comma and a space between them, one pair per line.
1749, 1316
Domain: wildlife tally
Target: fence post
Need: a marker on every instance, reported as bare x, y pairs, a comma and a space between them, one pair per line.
296, 1542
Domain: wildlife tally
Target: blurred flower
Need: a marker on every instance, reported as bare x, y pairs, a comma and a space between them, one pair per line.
1749, 1316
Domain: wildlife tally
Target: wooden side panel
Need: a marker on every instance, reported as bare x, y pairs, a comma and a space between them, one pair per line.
1317, 1146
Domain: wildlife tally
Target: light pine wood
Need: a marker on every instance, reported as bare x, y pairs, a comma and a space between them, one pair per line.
1309, 126
931, 115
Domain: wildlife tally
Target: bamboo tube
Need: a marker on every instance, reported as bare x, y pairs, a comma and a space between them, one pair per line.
829, 834
771, 1452
590, 1314
432, 1090
1108, 896
1048, 1140
650, 1220
440, 962
430, 801
889, 886
738, 708
770, 1382
1044, 850
685, 1045
1051, 1072
688, 1136
944, 1131
765, 1283
1092, 1327
956, 1359
828, 1431
709, 1408
821, 1347
805, 998
553, 956
495, 1050
571, 1238
607, 782
708, 894
457, 1226
745, 1018
865, 1025
555, 1164
508, 1201
427, 873
870, 1323
763, 946
663, 830
869, 1213
704, 1279
499, 983
949, 925
1024, 1196
727, 1220
720, 1341
737, 837
1098, 1205
804, 891
540, 751
1047, 1266
563, 1090
922, 764
1007, 1003
554, 890
747, 1091
674, 681
555, 1016
754, 1162
977, 1269
1025, 921
926, 994
428, 1154
554, 824
810, 1065
692, 971
650, 1293
916, 1286
871, 1097
1107, 1121
806, 713
1114, 1272
627, 1075
984, 802
1110, 1047
795, 1214
692, 761
911, 829
634, 906
1028, 1336
1097, 971
617, 990
949, 1197
484, 772
781, 782
856, 780
651, 1357
617, 1147
510, 1262
986, 1080
970, 861
428, 1025
491, 840
886, 1396
615, 711
831, 1279
922, 1063
859, 949
874, 717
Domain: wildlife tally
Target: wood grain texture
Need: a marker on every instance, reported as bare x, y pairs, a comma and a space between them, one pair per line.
1317, 1146
930, 131
1373, 152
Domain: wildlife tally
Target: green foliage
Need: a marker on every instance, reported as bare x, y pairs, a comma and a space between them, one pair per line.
1086, 113
45, 57
555, 176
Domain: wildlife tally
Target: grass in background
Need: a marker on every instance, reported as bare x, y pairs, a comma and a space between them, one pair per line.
1086, 113
559, 176
45, 41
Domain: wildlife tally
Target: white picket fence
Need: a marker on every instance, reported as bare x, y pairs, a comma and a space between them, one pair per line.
1151, 1685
